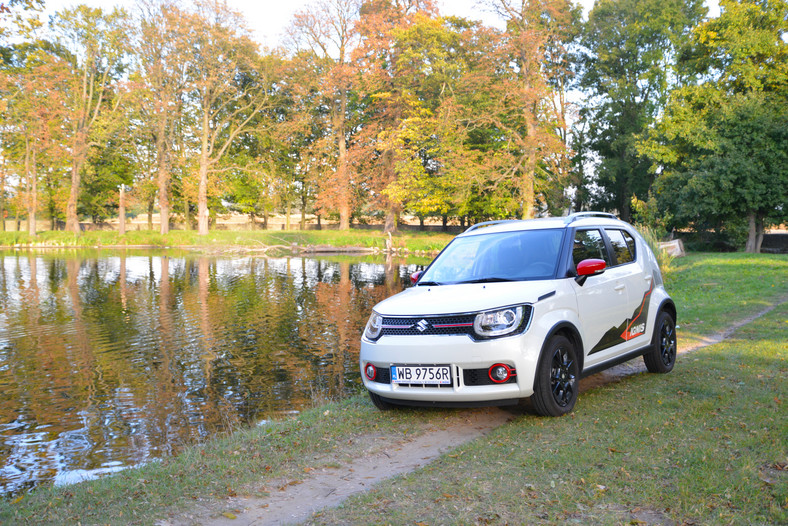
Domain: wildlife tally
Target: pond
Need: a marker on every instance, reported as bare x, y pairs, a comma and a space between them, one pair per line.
112, 359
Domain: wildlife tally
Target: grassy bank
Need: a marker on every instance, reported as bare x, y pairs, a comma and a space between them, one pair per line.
704, 444
252, 239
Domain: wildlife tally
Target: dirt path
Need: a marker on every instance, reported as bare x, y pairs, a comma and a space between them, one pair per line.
377, 458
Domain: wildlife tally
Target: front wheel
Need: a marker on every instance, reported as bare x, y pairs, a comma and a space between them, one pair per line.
380, 402
662, 356
556, 384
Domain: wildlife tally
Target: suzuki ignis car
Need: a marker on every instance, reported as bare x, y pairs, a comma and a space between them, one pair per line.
511, 310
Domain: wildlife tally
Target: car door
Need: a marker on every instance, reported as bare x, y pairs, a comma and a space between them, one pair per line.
639, 285
602, 300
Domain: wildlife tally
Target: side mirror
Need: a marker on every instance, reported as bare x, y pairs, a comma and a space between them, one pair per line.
589, 267
415, 276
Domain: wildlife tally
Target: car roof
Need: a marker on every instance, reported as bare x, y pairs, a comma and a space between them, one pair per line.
580, 219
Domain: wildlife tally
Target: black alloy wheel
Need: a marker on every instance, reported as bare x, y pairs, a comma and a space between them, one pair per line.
562, 378
662, 356
556, 385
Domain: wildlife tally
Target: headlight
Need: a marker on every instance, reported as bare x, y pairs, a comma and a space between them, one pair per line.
498, 322
374, 326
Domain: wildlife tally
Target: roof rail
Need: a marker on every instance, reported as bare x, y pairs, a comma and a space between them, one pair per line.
581, 215
491, 223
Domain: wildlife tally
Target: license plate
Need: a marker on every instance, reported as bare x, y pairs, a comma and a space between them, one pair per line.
421, 374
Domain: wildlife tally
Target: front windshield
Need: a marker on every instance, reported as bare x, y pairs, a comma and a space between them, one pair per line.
502, 256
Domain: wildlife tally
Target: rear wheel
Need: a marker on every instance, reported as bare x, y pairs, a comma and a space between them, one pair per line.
380, 402
662, 356
555, 387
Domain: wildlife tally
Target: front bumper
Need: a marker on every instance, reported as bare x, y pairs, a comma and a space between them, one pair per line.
467, 359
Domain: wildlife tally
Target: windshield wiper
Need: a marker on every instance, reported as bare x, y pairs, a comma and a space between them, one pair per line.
487, 280
428, 283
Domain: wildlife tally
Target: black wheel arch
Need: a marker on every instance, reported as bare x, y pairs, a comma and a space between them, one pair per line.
669, 307
570, 332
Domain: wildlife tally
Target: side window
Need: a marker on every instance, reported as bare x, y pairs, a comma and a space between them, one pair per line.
589, 245
623, 245
631, 244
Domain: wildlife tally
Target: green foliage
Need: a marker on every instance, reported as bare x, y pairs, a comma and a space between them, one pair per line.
653, 238
723, 145
634, 57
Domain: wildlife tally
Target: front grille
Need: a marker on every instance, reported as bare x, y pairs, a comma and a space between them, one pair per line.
382, 375
428, 325
470, 377
473, 377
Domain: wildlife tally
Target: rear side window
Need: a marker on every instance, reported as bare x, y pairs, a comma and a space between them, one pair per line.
623, 245
589, 244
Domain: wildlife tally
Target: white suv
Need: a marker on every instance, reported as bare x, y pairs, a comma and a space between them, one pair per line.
517, 309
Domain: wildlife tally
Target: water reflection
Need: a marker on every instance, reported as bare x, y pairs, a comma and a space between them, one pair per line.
110, 360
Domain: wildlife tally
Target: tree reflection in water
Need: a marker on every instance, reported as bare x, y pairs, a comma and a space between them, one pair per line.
109, 360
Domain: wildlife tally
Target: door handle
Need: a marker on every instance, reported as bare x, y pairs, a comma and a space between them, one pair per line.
619, 288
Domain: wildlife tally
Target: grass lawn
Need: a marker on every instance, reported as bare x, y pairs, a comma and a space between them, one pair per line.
705, 444
423, 241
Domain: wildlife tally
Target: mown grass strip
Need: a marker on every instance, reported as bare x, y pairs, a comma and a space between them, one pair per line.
424, 241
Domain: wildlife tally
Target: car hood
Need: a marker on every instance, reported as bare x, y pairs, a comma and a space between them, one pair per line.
468, 297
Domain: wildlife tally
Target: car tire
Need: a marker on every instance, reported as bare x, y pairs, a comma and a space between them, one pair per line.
662, 356
557, 376
380, 402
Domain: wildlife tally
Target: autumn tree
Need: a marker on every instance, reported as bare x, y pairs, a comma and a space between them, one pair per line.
97, 43
34, 104
230, 85
385, 81
428, 142
523, 108
19, 16
327, 30
162, 55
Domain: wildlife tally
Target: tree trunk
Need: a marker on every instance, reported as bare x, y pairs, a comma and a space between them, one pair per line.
122, 211
528, 192
78, 160
32, 187
343, 177
164, 178
529, 169
150, 213
302, 224
2, 199
187, 217
392, 209
392, 217
759, 233
72, 220
202, 190
752, 235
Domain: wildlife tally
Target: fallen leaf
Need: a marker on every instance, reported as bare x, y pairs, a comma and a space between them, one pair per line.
229, 515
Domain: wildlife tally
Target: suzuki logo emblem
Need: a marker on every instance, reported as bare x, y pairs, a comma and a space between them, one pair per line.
422, 325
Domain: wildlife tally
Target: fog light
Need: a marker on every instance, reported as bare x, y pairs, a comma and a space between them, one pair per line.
500, 373
370, 371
